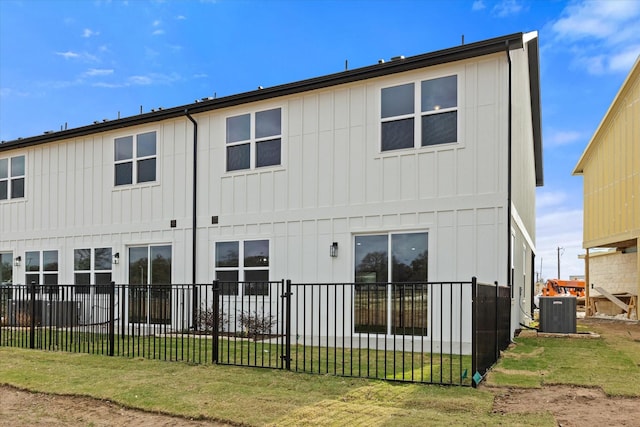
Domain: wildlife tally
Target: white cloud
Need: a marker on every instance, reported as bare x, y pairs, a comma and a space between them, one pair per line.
92, 72
507, 8
68, 54
88, 33
156, 23
598, 19
560, 228
87, 57
157, 32
478, 5
603, 36
546, 199
624, 60
557, 138
181, 17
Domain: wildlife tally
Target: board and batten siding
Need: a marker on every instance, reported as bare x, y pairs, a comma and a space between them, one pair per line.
335, 183
71, 202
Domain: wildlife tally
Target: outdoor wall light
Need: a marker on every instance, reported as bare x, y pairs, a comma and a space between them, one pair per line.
116, 258
18, 260
333, 249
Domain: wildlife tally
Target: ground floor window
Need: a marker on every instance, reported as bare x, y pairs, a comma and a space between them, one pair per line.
390, 295
92, 266
42, 268
243, 261
150, 284
6, 268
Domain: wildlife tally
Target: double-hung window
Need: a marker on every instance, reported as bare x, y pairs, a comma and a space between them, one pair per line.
246, 262
135, 158
419, 114
391, 296
12, 178
92, 266
254, 140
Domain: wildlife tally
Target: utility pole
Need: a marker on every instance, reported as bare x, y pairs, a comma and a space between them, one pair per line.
559, 249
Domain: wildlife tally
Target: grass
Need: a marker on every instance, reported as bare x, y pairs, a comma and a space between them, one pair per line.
608, 362
352, 362
274, 397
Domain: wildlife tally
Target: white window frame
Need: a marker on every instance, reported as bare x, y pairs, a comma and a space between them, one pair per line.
10, 178
418, 114
134, 159
253, 141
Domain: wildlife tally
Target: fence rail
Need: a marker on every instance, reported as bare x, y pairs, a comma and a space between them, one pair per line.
430, 332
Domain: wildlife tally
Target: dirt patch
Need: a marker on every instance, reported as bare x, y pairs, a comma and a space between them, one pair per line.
570, 406
20, 408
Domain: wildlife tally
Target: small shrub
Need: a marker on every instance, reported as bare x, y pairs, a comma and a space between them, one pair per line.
206, 317
256, 325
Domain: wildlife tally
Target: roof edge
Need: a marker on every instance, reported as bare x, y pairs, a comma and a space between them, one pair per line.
457, 53
635, 69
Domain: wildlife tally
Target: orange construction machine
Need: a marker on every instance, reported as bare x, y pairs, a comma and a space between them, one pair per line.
555, 287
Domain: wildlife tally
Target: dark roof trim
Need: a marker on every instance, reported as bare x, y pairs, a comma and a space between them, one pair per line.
536, 109
457, 53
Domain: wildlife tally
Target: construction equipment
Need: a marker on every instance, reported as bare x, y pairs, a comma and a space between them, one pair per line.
556, 287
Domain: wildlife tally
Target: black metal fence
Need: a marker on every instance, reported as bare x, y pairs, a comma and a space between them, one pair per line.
441, 333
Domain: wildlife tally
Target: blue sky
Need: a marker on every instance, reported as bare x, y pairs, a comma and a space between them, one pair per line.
73, 62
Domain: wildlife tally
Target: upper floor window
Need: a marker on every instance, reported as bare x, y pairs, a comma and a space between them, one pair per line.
254, 139
135, 158
12, 178
436, 122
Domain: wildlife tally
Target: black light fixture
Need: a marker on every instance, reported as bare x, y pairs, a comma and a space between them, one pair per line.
333, 250
116, 258
18, 260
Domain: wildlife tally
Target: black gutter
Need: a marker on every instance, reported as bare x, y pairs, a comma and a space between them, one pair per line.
509, 260
536, 109
195, 196
458, 53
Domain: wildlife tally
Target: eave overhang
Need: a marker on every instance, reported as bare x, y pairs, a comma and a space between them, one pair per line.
458, 53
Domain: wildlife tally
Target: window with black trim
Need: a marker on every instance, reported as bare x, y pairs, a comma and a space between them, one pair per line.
12, 178
243, 261
435, 100
391, 295
92, 267
254, 140
135, 158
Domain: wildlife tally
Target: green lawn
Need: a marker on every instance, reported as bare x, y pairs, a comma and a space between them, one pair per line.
267, 396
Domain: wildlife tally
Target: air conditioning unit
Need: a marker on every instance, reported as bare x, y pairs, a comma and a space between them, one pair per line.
558, 315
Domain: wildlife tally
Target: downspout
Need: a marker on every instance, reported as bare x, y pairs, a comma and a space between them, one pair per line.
195, 198
509, 260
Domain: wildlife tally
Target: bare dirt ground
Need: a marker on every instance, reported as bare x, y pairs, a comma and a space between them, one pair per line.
571, 406
577, 406
22, 408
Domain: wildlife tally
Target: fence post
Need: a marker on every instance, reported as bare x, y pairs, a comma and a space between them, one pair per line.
216, 319
497, 323
474, 331
32, 331
287, 319
112, 316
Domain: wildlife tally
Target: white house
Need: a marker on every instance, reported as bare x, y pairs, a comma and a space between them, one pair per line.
414, 169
